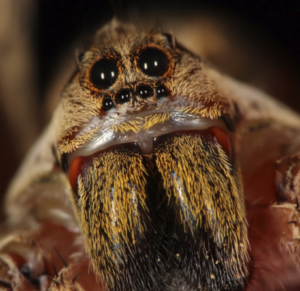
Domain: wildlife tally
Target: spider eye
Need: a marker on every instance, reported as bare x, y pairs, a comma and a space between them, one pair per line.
161, 91
123, 96
104, 73
144, 91
153, 62
107, 103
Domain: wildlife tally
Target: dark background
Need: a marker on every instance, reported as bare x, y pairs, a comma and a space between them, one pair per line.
261, 29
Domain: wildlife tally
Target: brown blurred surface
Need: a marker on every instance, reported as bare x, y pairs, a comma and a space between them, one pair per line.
256, 43
18, 107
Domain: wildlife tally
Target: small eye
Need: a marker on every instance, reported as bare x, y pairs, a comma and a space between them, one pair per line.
161, 91
123, 96
153, 62
104, 73
107, 103
144, 91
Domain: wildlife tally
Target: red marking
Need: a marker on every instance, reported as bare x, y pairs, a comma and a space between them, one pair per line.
222, 139
74, 171
81, 165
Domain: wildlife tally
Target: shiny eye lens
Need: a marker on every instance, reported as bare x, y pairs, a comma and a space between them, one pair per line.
107, 103
161, 91
144, 91
123, 96
153, 62
104, 73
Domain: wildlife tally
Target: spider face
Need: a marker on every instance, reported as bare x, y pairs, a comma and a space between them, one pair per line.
156, 188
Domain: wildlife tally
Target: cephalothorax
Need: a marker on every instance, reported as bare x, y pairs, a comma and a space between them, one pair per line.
158, 163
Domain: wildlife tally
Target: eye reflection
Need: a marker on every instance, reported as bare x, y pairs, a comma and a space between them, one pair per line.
107, 103
123, 96
161, 91
153, 62
104, 73
144, 91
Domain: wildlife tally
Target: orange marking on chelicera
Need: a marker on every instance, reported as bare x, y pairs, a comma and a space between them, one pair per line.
223, 140
74, 171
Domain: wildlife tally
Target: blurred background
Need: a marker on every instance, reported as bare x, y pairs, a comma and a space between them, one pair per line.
254, 41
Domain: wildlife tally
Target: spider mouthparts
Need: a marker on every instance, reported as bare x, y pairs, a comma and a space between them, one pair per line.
147, 128
147, 145
212, 135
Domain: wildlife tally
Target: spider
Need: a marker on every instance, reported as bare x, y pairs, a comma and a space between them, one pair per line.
145, 180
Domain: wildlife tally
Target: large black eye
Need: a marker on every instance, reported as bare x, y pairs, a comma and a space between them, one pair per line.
153, 62
104, 73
